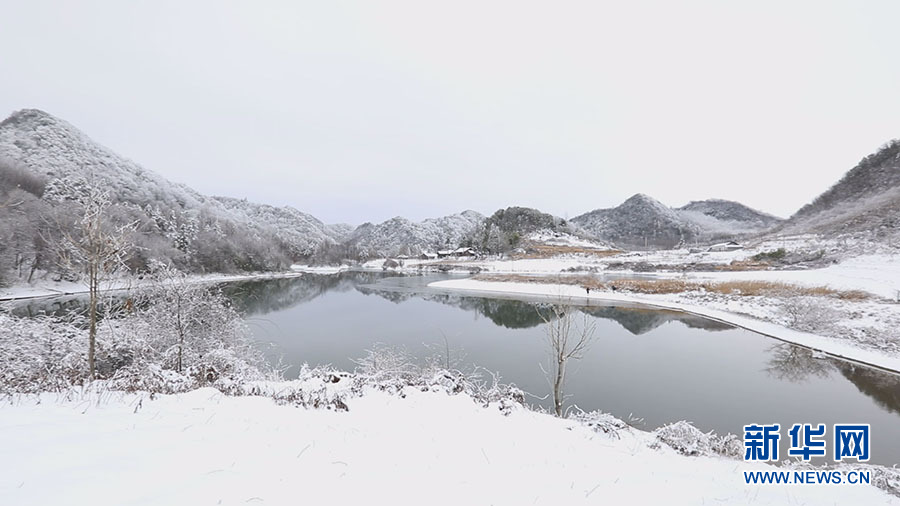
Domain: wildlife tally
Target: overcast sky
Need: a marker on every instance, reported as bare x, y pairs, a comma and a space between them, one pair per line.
360, 111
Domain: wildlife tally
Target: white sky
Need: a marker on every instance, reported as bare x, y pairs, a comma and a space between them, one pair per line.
360, 111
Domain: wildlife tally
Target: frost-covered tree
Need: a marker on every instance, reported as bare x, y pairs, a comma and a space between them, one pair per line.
93, 248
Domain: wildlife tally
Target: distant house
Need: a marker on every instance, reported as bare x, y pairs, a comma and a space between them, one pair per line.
428, 256
464, 252
726, 246
444, 253
402, 257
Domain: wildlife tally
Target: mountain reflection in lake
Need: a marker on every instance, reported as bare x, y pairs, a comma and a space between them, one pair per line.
662, 366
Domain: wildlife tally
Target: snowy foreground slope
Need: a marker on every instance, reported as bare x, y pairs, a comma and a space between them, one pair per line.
203, 447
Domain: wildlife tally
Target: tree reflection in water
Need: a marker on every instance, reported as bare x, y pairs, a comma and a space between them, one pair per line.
795, 364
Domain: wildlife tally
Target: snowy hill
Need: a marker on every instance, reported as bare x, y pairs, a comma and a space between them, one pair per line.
303, 232
734, 215
53, 148
43, 157
866, 199
640, 221
402, 236
506, 229
644, 222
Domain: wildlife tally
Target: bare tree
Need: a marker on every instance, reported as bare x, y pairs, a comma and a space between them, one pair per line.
93, 248
568, 339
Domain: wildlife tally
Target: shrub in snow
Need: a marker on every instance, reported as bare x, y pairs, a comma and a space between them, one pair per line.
689, 440
392, 369
808, 314
173, 337
317, 388
41, 353
600, 422
185, 327
389, 367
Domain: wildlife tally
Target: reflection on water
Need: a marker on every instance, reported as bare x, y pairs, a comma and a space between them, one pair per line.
662, 366
641, 321
793, 363
883, 388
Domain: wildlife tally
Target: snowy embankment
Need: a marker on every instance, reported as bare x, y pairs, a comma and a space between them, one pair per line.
44, 288
571, 294
203, 447
875, 274
319, 269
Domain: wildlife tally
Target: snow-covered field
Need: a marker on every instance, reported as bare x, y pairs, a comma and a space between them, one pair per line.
861, 266
203, 447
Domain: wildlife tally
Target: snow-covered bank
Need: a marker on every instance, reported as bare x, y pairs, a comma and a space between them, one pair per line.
577, 295
319, 269
203, 447
45, 288
875, 274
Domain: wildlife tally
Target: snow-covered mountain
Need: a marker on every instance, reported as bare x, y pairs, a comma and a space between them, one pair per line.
640, 221
507, 228
402, 236
717, 217
731, 211
53, 148
303, 232
177, 223
644, 222
866, 200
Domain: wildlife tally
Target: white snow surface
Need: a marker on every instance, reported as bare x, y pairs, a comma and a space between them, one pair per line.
319, 269
552, 238
203, 447
48, 288
576, 294
876, 274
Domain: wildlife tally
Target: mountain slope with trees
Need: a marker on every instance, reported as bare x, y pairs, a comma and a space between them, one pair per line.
400, 236
46, 163
644, 222
866, 200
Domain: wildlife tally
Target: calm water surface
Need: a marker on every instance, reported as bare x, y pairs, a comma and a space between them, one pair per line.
660, 366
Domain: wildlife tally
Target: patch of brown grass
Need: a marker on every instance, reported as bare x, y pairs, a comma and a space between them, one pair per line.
551, 250
743, 265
